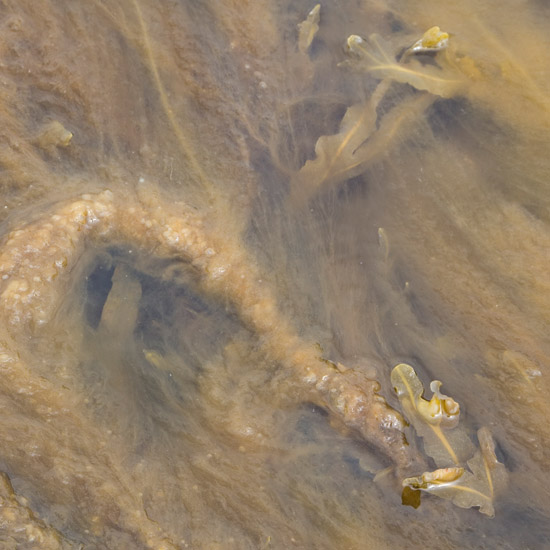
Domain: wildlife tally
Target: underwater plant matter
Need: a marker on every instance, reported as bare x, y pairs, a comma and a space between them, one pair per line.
223, 223
436, 421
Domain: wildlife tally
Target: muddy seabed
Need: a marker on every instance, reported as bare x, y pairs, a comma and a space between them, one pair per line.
201, 301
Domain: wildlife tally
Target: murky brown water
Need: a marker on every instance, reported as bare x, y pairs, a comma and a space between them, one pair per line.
197, 294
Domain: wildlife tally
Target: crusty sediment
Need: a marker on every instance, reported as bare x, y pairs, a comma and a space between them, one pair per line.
34, 258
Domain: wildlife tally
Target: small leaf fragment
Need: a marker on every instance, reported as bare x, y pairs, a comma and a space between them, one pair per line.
433, 40
411, 497
308, 28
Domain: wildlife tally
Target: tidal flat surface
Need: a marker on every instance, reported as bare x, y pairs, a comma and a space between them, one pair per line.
223, 225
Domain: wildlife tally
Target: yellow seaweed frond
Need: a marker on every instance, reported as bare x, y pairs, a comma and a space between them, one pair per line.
476, 486
372, 56
358, 144
435, 420
474, 478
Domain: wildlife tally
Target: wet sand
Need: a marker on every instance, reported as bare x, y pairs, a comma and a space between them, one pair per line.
221, 231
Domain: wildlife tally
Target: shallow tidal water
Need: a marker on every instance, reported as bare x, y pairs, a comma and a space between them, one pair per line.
211, 210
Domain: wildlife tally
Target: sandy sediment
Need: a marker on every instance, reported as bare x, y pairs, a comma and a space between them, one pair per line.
37, 257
